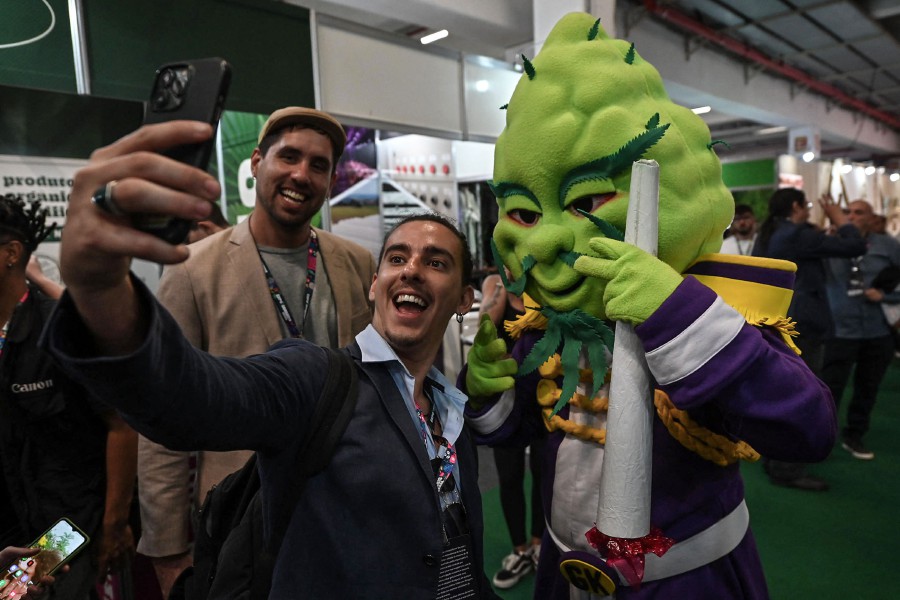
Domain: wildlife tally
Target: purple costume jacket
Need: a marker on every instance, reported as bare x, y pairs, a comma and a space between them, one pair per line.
737, 380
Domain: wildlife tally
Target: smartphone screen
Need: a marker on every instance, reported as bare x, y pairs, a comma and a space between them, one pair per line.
58, 545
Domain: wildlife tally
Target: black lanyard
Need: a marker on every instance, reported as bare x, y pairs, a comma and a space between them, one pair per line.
278, 298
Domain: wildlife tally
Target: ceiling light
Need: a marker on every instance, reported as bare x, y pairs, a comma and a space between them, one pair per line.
482, 85
870, 170
809, 156
846, 169
895, 176
433, 37
701, 110
771, 130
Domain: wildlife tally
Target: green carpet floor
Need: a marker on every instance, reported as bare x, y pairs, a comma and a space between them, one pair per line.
823, 546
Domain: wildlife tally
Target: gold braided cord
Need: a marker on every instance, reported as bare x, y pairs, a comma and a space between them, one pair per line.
710, 446
582, 432
552, 368
547, 395
707, 444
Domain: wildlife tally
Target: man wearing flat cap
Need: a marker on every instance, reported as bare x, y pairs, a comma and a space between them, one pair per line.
271, 277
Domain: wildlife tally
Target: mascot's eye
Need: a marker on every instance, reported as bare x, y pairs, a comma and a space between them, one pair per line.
525, 217
590, 203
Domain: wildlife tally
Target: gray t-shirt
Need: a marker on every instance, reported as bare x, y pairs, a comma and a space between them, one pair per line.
288, 266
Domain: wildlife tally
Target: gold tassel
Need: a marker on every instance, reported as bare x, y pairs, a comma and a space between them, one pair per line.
531, 319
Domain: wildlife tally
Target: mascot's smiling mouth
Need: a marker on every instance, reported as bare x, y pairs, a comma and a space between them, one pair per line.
565, 292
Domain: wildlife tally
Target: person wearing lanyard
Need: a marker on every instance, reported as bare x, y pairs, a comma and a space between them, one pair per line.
270, 277
375, 522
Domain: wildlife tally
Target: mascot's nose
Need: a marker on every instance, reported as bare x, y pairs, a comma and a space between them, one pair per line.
549, 241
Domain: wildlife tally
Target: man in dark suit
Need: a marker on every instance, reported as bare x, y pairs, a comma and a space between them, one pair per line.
397, 513
223, 303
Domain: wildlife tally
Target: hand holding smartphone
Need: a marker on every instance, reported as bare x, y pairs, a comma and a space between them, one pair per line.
54, 548
193, 90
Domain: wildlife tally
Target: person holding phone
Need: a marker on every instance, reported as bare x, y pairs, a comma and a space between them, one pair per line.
62, 453
27, 561
223, 301
398, 506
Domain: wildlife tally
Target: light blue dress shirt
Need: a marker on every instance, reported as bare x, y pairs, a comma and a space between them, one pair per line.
447, 400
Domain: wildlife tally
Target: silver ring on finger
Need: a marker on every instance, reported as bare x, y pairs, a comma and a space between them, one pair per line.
104, 200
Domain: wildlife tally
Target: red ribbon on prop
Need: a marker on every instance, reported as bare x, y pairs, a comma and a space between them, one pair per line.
627, 554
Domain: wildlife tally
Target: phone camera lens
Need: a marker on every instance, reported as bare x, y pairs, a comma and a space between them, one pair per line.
160, 100
167, 76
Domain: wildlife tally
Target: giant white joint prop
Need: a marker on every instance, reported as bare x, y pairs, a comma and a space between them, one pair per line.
624, 506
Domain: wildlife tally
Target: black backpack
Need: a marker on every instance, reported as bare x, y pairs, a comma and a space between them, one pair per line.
231, 558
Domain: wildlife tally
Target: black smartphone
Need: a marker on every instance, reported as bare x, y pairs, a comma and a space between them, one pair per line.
193, 90
58, 545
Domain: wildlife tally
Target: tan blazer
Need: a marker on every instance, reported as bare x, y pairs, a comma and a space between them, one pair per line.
220, 298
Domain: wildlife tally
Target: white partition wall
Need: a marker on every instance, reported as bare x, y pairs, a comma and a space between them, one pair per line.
367, 79
372, 80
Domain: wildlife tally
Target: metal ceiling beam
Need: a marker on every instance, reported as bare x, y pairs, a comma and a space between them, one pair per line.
861, 72
685, 22
774, 17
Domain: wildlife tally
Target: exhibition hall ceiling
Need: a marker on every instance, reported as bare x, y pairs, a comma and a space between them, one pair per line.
846, 51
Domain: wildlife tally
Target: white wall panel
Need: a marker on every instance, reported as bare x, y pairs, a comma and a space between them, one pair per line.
374, 80
487, 89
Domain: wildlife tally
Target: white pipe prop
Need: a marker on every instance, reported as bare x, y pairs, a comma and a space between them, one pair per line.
624, 505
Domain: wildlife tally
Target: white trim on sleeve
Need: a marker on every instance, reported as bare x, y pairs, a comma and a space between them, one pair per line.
696, 345
495, 416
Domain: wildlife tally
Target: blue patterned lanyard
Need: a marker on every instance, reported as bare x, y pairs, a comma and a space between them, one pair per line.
278, 298
445, 451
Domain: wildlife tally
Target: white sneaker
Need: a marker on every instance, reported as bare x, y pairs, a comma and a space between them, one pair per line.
514, 567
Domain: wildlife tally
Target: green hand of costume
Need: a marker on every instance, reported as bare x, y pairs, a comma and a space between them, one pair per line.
637, 283
489, 371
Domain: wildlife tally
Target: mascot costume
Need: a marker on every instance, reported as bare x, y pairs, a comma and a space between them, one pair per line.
723, 379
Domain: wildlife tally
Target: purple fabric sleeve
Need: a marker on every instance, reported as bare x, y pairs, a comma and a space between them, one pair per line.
765, 393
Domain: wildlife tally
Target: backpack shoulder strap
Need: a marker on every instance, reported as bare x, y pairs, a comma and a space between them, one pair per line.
333, 411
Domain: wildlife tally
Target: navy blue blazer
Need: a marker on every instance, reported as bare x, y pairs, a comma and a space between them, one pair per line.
368, 526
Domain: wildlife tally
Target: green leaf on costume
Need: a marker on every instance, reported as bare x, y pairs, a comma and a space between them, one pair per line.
606, 228
529, 68
710, 145
603, 339
573, 330
505, 106
653, 122
571, 376
609, 166
629, 58
514, 287
542, 350
595, 29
